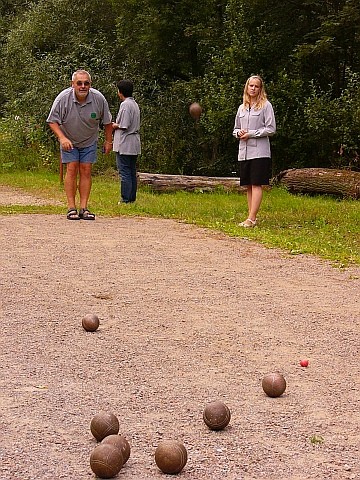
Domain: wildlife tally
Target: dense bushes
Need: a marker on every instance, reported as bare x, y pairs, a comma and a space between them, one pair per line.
179, 52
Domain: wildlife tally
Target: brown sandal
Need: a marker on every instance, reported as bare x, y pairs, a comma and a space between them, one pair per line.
72, 214
85, 214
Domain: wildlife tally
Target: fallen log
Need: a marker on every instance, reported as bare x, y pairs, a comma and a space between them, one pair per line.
345, 183
161, 182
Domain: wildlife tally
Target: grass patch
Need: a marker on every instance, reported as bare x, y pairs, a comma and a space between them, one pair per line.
316, 440
321, 225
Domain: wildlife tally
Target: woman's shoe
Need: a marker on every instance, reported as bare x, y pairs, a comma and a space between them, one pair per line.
248, 223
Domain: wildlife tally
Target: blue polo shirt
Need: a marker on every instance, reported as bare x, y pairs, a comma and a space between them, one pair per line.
80, 121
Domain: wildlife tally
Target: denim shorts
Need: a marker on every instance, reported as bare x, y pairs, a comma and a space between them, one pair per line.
81, 155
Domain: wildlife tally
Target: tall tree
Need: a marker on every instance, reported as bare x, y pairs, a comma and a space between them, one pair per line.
332, 46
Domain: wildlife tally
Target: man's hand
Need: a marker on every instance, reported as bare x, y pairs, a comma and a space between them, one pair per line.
65, 143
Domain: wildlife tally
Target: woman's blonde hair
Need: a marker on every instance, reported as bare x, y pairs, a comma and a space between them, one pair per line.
262, 97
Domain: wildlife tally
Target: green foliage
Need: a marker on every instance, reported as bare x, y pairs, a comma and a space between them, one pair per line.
176, 48
308, 53
39, 61
290, 146
23, 146
334, 124
332, 45
168, 133
175, 143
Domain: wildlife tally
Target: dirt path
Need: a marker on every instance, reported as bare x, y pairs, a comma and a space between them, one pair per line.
187, 316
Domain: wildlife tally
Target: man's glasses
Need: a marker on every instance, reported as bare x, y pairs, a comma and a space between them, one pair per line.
86, 83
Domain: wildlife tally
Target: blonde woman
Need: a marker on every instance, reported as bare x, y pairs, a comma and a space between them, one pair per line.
254, 124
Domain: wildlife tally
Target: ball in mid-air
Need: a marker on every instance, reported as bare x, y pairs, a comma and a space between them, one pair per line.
90, 322
304, 363
195, 110
274, 384
216, 415
170, 456
119, 442
104, 424
106, 461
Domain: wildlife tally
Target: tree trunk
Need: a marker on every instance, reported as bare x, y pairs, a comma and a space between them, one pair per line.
345, 183
164, 183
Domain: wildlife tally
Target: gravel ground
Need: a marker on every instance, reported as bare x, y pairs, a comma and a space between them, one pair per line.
187, 316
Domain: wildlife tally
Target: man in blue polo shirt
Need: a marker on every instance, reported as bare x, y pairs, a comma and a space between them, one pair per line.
75, 118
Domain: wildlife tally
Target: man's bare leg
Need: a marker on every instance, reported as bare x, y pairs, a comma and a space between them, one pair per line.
72, 169
85, 184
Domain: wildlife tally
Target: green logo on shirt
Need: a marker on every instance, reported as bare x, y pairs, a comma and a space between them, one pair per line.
93, 115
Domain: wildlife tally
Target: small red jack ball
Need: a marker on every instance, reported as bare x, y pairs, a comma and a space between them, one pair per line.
304, 363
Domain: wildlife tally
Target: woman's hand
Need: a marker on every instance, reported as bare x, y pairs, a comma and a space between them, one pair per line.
243, 134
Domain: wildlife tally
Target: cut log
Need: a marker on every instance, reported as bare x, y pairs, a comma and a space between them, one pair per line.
345, 183
160, 182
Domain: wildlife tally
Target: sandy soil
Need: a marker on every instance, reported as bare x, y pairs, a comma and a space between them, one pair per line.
187, 316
